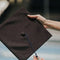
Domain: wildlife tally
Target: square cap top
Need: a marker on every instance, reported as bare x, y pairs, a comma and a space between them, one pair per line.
11, 34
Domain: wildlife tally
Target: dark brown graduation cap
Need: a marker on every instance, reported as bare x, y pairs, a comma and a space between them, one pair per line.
14, 30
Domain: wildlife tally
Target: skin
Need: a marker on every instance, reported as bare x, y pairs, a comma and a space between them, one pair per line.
38, 58
47, 23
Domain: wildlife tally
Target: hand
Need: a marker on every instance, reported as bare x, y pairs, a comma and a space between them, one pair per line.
35, 58
39, 18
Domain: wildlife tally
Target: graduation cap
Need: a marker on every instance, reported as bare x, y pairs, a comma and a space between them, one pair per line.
23, 36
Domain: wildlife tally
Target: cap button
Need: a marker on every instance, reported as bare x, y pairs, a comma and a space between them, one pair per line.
23, 34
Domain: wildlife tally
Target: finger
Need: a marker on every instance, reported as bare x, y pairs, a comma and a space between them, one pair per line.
32, 16
46, 26
42, 59
34, 58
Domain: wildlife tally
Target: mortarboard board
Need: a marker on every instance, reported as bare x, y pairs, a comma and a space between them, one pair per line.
11, 34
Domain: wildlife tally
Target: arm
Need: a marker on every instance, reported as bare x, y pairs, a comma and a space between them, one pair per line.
46, 22
53, 24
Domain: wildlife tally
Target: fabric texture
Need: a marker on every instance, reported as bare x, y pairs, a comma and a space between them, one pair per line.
12, 28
